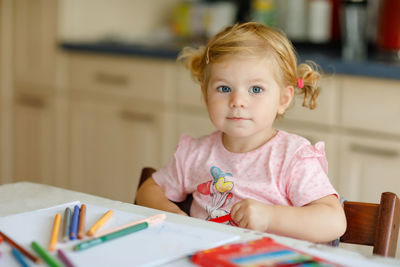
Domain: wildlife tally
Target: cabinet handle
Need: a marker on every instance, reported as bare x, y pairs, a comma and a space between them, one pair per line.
31, 101
136, 116
374, 151
113, 79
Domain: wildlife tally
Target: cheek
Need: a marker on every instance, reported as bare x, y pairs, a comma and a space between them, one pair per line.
213, 109
216, 110
265, 109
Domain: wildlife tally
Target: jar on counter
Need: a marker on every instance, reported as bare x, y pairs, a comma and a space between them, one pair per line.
295, 23
319, 21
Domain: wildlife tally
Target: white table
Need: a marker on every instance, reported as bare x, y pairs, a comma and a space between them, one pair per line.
24, 196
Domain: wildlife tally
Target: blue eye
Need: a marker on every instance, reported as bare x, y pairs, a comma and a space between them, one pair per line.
255, 90
224, 89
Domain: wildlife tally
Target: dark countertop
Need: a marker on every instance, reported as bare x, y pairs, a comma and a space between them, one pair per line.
327, 56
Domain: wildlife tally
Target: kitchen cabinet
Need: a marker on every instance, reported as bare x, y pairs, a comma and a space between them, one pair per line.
6, 33
35, 46
39, 103
368, 166
370, 140
192, 116
369, 104
34, 138
109, 146
121, 121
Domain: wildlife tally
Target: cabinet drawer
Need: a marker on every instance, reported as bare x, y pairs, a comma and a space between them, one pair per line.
371, 104
326, 111
144, 79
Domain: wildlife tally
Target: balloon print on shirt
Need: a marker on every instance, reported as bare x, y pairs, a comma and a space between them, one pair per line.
219, 189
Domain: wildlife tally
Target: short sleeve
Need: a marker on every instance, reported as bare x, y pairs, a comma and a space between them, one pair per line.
171, 177
307, 178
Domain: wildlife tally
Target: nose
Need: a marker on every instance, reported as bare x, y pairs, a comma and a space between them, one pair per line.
238, 100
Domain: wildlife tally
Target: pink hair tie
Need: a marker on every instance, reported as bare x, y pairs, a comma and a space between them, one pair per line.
300, 83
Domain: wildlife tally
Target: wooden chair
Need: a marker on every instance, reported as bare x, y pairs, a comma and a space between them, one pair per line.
369, 224
374, 225
184, 205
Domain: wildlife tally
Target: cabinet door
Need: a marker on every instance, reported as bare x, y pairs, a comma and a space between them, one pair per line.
368, 168
35, 42
371, 104
110, 145
34, 139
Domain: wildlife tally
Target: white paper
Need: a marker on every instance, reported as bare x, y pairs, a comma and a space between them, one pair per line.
158, 244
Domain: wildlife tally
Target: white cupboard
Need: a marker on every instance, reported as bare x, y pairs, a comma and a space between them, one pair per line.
121, 121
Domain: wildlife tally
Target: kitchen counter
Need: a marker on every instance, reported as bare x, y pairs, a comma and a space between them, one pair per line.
327, 57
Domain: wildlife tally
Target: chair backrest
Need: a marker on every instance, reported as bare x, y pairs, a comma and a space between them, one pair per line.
374, 225
147, 172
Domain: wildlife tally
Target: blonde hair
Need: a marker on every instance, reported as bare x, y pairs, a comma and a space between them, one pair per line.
255, 39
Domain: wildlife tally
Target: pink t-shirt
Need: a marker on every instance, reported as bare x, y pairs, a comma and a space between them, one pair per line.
287, 170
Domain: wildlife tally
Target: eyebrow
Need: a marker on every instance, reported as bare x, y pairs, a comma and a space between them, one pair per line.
259, 80
214, 80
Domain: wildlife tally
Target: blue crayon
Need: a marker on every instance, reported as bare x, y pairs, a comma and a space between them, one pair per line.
74, 224
18, 256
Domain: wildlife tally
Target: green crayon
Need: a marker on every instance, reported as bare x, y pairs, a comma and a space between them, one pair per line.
111, 236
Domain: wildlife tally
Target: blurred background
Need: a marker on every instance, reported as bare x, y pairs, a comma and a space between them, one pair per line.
90, 91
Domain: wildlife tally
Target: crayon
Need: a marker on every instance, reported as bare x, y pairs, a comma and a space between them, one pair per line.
150, 220
18, 256
67, 224
111, 236
52, 262
81, 226
74, 224
100, 223
54, 232
63, 257
21, 249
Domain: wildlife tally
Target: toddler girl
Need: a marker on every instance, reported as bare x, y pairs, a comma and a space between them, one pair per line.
267, 179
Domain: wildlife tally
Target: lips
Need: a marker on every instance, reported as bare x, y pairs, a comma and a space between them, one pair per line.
237, 118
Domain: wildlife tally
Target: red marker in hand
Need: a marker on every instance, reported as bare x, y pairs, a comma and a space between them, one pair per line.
223, 219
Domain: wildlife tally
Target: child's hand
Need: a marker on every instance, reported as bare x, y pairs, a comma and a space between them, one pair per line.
252, 214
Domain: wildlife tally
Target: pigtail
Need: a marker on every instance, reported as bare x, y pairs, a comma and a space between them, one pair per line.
193, 59
308, 83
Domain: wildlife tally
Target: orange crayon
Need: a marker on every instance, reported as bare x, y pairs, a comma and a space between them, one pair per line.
81, 226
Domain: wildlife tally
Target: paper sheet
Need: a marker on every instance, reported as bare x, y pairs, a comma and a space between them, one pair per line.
160, 243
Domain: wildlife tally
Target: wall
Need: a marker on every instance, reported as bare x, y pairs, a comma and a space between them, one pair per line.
127, 19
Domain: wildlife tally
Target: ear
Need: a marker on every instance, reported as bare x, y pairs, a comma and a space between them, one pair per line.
285, 99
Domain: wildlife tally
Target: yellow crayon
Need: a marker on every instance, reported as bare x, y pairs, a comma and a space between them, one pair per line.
100, 223
54, 232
